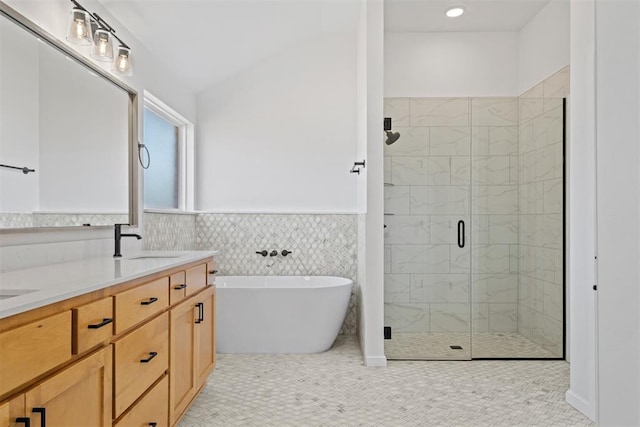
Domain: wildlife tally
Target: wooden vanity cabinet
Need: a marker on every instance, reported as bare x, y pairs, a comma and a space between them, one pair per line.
192, 350
33, 349
79, 395
131, 355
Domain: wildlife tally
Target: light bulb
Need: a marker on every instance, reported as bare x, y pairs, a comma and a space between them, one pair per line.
80, 29
122, 64
103, 46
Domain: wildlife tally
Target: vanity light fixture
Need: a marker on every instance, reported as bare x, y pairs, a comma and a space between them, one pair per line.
454, 12
88, 28
80, 28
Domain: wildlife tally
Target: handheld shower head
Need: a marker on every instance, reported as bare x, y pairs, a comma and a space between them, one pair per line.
391, 137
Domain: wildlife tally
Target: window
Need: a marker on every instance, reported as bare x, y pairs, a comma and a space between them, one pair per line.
168, 181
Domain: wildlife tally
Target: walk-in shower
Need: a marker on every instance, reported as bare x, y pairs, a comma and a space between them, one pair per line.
474, 243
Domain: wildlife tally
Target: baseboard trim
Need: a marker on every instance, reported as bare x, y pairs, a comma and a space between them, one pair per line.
378, 361
581, 405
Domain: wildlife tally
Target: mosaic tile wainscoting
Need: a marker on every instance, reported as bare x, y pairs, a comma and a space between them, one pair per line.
320, 245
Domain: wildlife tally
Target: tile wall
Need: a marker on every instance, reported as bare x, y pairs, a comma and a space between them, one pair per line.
497, 162
452, 152
541, 190
320, 244
42, 219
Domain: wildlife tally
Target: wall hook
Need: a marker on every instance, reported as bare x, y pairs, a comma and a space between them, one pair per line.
355, 168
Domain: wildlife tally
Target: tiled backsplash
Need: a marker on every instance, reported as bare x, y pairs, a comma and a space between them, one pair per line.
166, 232
320, 244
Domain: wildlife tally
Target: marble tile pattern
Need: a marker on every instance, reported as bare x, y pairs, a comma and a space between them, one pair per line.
77, 219
456, 159
16, 220
541, 193
166, 231
321, 245
334, 389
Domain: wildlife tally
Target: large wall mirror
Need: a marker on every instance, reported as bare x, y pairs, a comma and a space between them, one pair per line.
72, 124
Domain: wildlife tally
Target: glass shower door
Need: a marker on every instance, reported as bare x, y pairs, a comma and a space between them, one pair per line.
427, 213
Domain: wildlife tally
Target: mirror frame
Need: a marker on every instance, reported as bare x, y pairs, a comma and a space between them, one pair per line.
39, 32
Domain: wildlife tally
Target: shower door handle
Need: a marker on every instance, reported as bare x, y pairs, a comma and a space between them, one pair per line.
461, 234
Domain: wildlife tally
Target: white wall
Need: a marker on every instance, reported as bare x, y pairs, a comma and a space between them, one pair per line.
450, 64
281, 136
581, 211
618, 210
543, 45
149, 74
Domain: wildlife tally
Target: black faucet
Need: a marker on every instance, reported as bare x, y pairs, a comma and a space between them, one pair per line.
118, 234
273, 253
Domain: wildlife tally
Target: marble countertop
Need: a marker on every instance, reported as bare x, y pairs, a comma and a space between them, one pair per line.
47, 284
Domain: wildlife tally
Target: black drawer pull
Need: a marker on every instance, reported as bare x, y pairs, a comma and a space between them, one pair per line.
24, 420
104, 322
153, 424
43, 416
151, 356
200, 312
151, 301
178, 287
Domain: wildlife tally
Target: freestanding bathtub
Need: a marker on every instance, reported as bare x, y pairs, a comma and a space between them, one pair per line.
279, 314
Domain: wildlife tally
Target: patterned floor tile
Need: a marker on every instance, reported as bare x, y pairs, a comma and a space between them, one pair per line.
335, 389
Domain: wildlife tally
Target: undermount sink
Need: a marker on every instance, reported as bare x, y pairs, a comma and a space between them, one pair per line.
154, 257
10, 293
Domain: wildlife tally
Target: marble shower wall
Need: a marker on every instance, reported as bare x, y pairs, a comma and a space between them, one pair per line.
452, 153
541, 189
320, 244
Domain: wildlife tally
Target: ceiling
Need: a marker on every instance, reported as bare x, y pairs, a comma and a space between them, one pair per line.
480, 15
207, 41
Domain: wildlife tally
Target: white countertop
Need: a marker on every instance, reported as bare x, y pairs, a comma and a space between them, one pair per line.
56, 282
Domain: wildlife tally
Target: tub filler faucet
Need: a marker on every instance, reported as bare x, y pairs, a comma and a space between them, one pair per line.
118, 234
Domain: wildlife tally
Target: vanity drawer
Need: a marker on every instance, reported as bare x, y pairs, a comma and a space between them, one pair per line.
177, 287
92, 324
33, 349
137, 304
149, 409
196, 278
140, 359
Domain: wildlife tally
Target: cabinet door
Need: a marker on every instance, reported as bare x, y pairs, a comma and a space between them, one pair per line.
182, 380
11, 411
205, 336
78, 396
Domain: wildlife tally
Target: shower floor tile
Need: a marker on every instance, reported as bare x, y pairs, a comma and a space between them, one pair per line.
437, 346
335, 389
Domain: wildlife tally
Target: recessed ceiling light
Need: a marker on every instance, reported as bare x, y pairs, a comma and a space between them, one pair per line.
454, 12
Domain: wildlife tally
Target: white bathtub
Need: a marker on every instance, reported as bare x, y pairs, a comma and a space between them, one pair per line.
279, 314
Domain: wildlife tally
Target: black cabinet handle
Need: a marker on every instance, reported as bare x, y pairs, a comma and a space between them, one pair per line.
153, 424
151, 356
461, 234
104, 322
24, 420
151, 301
43, 416
200, 312
178, 287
